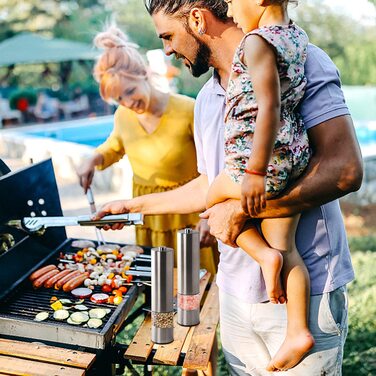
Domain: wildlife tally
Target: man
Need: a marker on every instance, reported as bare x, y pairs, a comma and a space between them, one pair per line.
252, 329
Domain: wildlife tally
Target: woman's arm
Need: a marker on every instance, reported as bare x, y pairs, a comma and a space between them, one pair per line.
112, 150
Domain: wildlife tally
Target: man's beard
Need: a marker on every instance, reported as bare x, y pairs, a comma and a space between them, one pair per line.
200, 65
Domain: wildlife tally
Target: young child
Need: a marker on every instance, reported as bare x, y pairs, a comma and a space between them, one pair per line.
265, 152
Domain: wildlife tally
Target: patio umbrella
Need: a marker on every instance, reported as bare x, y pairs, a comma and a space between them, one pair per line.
30, 48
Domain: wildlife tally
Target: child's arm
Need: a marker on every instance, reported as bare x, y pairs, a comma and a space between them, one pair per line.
260, 59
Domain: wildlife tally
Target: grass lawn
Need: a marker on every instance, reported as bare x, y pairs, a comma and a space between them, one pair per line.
360, 349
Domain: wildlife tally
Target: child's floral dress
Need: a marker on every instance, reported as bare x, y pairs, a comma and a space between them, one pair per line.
291, 151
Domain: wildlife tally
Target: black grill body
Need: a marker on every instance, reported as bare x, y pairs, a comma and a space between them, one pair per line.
33, 191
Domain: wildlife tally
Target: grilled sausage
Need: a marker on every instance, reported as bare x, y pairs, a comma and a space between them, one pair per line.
60, 283
37, 283
38, 273
75, 282
51, 281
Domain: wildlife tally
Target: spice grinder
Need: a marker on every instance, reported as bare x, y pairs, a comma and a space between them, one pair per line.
162, 310
188, 277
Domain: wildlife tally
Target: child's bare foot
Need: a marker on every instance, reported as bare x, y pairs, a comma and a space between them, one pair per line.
291, 352
271, 267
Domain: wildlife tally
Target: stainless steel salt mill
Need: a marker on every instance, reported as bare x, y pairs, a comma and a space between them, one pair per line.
188, 277
162, 285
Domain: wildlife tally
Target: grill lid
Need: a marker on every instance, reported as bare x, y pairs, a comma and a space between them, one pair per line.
31, 191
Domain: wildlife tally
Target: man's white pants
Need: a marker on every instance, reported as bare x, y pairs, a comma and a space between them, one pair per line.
252, 333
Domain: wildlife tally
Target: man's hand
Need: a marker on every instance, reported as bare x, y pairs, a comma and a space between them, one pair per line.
226, 221
206, 239
114, 207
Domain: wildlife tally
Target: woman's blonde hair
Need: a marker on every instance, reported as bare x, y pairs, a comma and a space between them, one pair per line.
120, 59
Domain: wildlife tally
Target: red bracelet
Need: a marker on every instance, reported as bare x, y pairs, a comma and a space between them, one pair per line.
254, 172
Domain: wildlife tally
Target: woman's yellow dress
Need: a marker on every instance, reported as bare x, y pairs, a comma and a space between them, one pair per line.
162, 160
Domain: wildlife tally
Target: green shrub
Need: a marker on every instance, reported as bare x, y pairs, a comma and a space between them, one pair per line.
363, 243
29, 94
360, 348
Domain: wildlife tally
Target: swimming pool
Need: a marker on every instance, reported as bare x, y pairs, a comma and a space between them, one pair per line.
366, 134
90, 132
69, 144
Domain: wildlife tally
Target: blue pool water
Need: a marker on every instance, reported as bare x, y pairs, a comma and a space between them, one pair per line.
93, 132
366, 132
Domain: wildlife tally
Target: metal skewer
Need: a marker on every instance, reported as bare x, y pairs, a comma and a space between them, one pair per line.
93, 210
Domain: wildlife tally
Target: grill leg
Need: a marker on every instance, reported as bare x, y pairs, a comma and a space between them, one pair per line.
102, 366
148, 370
129, 365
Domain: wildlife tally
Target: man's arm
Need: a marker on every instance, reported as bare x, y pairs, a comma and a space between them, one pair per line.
189, 198
335, 169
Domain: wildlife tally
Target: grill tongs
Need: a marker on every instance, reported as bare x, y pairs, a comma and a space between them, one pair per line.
35, 224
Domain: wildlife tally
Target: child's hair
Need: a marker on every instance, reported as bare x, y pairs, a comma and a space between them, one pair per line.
119, 59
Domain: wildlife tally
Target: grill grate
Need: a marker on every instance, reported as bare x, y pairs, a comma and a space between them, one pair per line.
25, 303
19, 307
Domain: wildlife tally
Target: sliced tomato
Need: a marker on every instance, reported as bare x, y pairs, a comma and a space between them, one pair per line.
106, 288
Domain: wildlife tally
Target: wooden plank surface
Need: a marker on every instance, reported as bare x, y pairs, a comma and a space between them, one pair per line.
141, 345
169, 353
44, 353
198, 353
187, 340
16, 366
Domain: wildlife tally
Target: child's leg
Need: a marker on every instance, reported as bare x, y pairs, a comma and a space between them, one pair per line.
280, 234
269, 259
221, 189
250, 239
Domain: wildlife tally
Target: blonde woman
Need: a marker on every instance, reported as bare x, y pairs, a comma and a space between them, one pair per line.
154, 129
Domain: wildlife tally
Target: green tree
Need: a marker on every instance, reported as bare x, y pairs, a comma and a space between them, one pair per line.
76, 20
350, 44
133, 18
40, 16
82, 23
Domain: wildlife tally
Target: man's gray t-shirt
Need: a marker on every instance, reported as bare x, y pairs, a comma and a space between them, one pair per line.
321, 237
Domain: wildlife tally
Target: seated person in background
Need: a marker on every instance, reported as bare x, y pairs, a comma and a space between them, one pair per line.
80, 103
46, 108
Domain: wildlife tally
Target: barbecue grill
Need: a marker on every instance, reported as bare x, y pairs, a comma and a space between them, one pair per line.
33, 192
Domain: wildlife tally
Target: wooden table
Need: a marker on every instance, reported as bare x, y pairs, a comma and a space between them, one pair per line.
195, 344
36, 359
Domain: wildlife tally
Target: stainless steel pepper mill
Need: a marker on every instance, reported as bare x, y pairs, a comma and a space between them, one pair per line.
188, 277
162, 285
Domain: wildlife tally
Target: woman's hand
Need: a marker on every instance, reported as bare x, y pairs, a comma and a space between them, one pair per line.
85, 174
226, 221
86, 170
253, 194
206, 239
